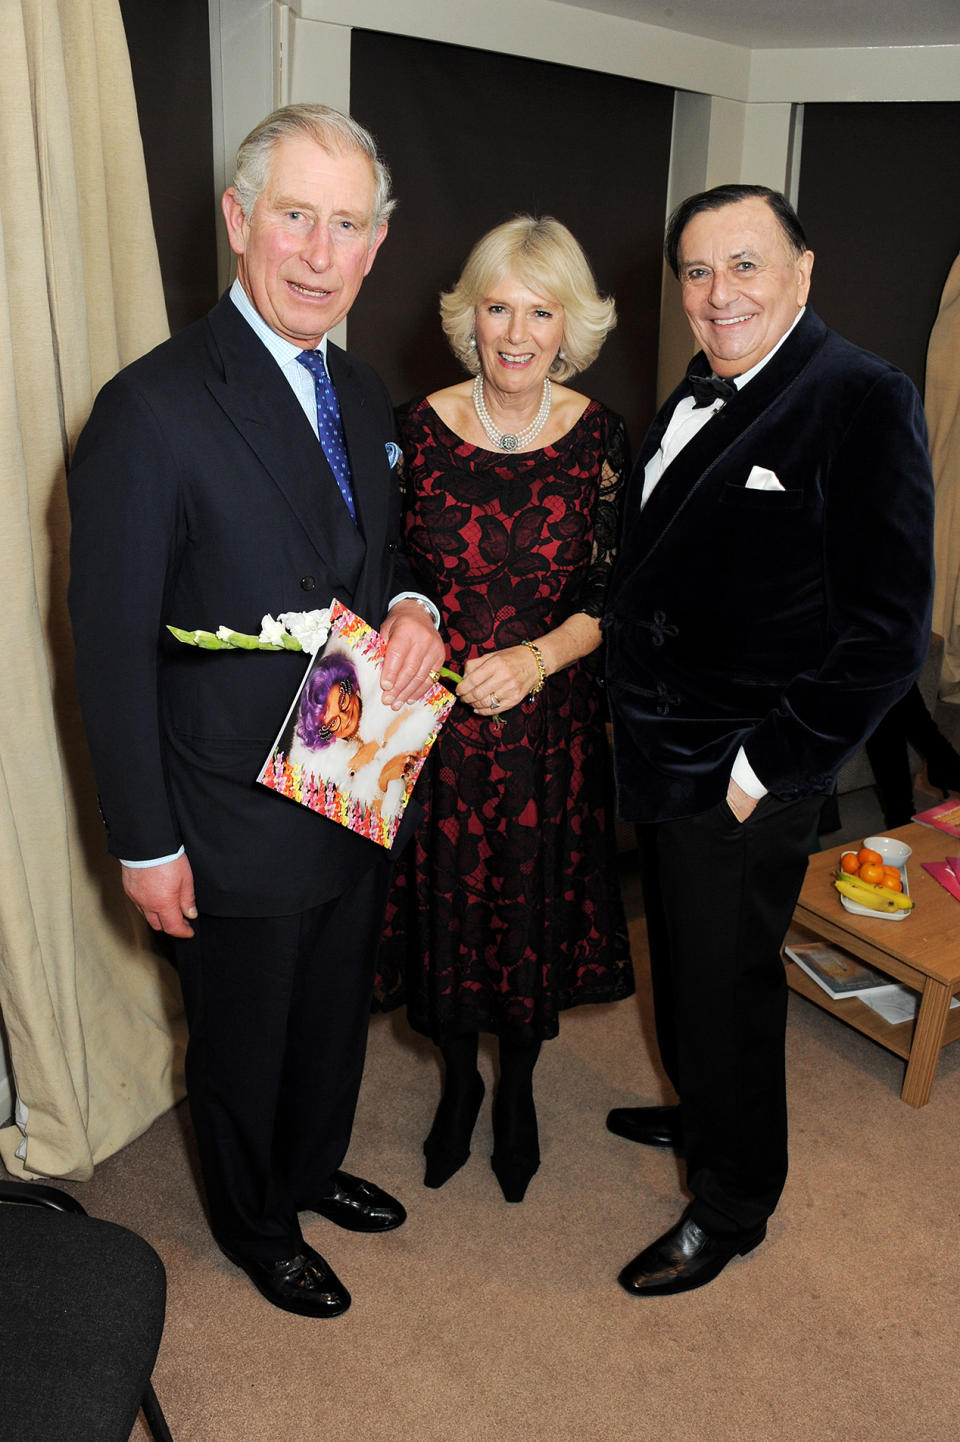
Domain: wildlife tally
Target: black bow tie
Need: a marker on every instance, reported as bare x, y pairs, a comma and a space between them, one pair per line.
707, 389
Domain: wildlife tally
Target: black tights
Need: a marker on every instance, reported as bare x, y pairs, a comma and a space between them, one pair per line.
517, 1062
516, 1145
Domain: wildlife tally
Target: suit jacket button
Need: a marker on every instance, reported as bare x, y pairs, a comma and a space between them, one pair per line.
307, 583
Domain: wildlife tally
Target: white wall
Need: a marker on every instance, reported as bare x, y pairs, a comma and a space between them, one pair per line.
548, 30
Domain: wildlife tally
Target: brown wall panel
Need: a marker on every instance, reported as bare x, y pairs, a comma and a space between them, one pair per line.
880, 201
169, 47
473, 138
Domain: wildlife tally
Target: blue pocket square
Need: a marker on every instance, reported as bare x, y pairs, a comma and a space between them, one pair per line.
393, 454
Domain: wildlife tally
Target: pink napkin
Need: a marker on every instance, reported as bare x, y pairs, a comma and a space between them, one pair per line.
946, 872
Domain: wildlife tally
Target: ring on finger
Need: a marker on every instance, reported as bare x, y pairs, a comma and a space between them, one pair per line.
494, 701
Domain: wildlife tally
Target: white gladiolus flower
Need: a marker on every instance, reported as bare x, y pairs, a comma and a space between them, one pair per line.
291, 631
310, 628
271, 632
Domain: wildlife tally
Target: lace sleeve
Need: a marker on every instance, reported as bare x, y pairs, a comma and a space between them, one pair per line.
614, 470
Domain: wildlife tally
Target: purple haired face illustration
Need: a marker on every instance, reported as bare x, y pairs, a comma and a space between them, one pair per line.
330, 707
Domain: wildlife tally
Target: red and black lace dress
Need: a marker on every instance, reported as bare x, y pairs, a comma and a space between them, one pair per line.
506, 908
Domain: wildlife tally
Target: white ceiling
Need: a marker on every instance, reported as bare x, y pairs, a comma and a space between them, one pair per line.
797, 24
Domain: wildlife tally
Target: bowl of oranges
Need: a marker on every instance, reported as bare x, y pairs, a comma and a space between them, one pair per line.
880, 863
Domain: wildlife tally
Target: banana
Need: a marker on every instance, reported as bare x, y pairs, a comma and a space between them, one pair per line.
901, 900
877, 898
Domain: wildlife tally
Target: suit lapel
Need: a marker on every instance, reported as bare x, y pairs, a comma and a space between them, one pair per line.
693, 468
260, 404
369, 468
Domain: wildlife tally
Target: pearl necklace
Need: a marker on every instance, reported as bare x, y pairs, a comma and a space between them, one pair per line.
502, 439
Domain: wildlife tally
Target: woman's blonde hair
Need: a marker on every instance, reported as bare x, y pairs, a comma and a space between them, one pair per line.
545, 257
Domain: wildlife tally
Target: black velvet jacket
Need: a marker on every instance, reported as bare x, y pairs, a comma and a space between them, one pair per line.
788, 621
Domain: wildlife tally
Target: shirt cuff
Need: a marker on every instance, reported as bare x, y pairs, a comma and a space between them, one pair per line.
158, 861
746, 778
415, 596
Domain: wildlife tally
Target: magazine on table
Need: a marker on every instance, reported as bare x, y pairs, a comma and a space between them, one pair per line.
944, 817
842, 975
896, 1002
836, 971
342, 751
947, 872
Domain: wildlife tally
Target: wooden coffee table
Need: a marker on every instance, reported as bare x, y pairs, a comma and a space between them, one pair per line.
923, 952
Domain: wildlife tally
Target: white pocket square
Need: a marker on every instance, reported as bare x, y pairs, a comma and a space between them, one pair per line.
760, 479
393, 454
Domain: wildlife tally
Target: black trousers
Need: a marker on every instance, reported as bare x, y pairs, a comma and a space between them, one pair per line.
278, 1009
719, 897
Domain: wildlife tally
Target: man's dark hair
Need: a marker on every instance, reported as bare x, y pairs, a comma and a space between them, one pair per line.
716, 199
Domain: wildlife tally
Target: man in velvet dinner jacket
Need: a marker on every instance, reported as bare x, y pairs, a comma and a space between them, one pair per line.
771, 602
201, 496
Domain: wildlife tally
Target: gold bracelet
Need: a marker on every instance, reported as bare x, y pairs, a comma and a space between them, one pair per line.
541, 679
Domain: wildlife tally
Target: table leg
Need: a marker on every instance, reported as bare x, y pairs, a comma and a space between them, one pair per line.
927, 1042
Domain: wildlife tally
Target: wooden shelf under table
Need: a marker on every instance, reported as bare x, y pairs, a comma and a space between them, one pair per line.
923, 952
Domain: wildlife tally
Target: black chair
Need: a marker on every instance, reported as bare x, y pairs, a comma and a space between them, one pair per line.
82, 1305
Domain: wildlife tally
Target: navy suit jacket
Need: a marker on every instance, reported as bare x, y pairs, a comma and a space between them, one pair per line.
201, 497
788, 621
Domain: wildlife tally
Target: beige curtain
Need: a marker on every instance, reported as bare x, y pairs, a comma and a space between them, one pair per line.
91, 1011
943, 416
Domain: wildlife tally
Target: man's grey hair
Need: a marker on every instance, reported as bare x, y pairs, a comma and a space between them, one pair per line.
331, 129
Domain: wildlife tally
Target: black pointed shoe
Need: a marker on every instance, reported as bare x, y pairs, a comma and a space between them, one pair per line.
516, 1146
447, 1146
305, 1283
359, 1206
514, 1173
653, 1126
685, 1258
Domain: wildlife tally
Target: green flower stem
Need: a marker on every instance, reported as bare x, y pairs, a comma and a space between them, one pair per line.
497, 719
243, 642
240, 641
237, 641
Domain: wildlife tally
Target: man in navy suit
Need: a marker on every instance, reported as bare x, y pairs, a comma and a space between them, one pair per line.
771, 602
215, 482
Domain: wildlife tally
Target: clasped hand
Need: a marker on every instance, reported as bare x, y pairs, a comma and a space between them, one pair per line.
498, 681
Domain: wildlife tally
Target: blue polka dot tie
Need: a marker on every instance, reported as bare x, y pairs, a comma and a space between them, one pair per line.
330, 426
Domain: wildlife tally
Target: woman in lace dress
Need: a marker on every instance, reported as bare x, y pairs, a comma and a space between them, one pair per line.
506, 907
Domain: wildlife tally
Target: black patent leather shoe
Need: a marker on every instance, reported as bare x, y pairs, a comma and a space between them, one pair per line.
304, 1284
653, 1126
685, 1258
359, 1206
